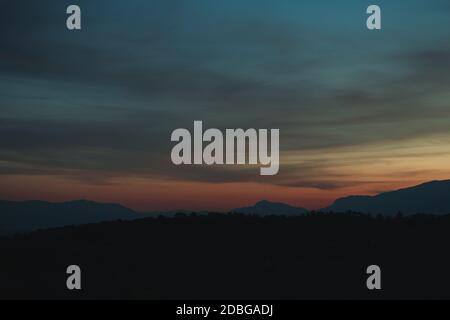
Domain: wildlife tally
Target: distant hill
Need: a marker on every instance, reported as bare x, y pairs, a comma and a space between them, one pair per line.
28, 215
265, 207
431, 197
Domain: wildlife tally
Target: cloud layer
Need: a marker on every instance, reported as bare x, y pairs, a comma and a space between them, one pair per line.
101, 103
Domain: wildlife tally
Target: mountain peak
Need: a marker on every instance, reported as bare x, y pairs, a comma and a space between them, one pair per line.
264, 203
266, 207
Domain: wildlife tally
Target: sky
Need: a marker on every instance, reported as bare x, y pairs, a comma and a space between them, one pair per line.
88, 114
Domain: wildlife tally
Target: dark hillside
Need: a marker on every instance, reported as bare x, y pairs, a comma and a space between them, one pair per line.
235, 256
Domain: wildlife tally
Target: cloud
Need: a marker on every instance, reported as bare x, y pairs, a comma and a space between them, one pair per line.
105, 100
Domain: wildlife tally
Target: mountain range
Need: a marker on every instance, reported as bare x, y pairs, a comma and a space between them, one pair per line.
18, 216
430, 197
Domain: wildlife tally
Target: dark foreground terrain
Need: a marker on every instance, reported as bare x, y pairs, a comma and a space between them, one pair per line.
235, 257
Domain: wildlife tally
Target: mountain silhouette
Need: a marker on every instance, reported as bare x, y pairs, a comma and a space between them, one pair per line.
265, 207
21, 216
430, 197
28, 215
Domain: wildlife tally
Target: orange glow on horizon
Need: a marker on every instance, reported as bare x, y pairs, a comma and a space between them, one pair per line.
149, 195
361, 170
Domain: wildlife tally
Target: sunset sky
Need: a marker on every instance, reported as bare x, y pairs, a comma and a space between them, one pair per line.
88, 114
